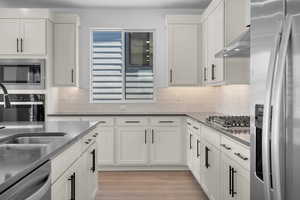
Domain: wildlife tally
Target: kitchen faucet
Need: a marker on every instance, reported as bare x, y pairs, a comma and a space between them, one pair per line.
6, 100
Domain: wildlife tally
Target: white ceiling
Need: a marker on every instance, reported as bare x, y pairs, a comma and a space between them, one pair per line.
197, 4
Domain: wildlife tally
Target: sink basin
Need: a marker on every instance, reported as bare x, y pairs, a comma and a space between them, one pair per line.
35, 138
14, 157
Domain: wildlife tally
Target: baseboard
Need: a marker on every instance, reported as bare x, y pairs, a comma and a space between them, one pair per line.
142, 168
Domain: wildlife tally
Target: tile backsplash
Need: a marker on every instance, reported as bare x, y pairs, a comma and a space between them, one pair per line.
232, 100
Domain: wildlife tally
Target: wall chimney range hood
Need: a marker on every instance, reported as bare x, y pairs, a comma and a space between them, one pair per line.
240, 47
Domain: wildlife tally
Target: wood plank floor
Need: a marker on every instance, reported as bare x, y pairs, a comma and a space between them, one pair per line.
179, 185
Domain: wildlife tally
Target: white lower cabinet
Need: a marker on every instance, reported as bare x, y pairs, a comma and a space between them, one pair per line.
106, 146
235, 180
132, 146
166, 146
78, 179
211, 170
220, 164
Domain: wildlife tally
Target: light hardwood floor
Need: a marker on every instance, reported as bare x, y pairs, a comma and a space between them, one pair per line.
179, 185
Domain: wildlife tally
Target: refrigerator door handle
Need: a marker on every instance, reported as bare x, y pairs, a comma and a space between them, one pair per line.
267, 116
278, 122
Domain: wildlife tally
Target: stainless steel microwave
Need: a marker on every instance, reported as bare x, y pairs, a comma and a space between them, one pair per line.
19, 74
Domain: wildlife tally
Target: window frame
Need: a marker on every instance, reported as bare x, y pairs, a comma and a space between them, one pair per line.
123, 101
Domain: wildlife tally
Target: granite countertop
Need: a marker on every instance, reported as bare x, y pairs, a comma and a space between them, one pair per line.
243, 138
12, 171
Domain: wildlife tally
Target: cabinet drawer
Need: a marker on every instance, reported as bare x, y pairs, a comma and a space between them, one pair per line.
211, 136
165, 121
103, 121
132, 121
238, 152
89, 139
63, 161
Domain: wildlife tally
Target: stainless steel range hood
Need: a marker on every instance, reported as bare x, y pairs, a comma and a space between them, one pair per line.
240, 47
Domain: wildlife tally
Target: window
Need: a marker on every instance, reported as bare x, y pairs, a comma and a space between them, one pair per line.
121, 66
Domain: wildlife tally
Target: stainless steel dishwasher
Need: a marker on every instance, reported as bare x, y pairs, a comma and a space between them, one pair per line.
34, 186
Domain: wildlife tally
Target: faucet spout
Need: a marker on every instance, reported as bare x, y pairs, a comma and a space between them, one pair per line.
5, 95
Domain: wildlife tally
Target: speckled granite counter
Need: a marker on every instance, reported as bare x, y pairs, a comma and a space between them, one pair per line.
73, 131
243, 138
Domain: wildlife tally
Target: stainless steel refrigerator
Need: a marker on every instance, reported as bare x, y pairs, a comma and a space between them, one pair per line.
275, 97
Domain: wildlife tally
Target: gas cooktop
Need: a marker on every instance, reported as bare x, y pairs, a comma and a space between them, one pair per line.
236, 124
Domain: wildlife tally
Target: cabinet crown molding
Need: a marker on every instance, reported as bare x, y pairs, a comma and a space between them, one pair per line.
16, 13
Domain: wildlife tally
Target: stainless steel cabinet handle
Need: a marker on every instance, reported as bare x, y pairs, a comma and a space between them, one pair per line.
196, 128
206, 157
205, 71
233, 171
17, 44
230, 185
102, 122
213, 66
73, 186
21, 44
191, 141
95, 135
166, 122
226, 147
152, 136
72, 75
198, 154
145, 136
241, 156
189, 123
93, 153
171, 76
132, 122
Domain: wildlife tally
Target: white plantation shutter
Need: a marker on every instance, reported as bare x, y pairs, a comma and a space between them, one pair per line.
107, 66
111, 79
139, 84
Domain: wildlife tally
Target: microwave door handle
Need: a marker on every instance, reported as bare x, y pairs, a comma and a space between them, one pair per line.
42, 191
267, 116
278, 119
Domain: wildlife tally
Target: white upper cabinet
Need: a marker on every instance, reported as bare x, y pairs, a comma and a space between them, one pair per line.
66, 50
33, 36
184, 52
23, 37
9, 36
222, 22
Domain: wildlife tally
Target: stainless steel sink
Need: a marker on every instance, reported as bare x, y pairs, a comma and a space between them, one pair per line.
35, 138
14, 157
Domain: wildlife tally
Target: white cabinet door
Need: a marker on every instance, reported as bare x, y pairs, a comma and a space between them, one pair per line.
196, 156
33, 36
226, 179
166, 147
189, 151
106, 146
203, 170
70, 184
241, 186
9, 36
65, 69
132, 146
212, 171
91, 172
204, 51
218, 36
183, 41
